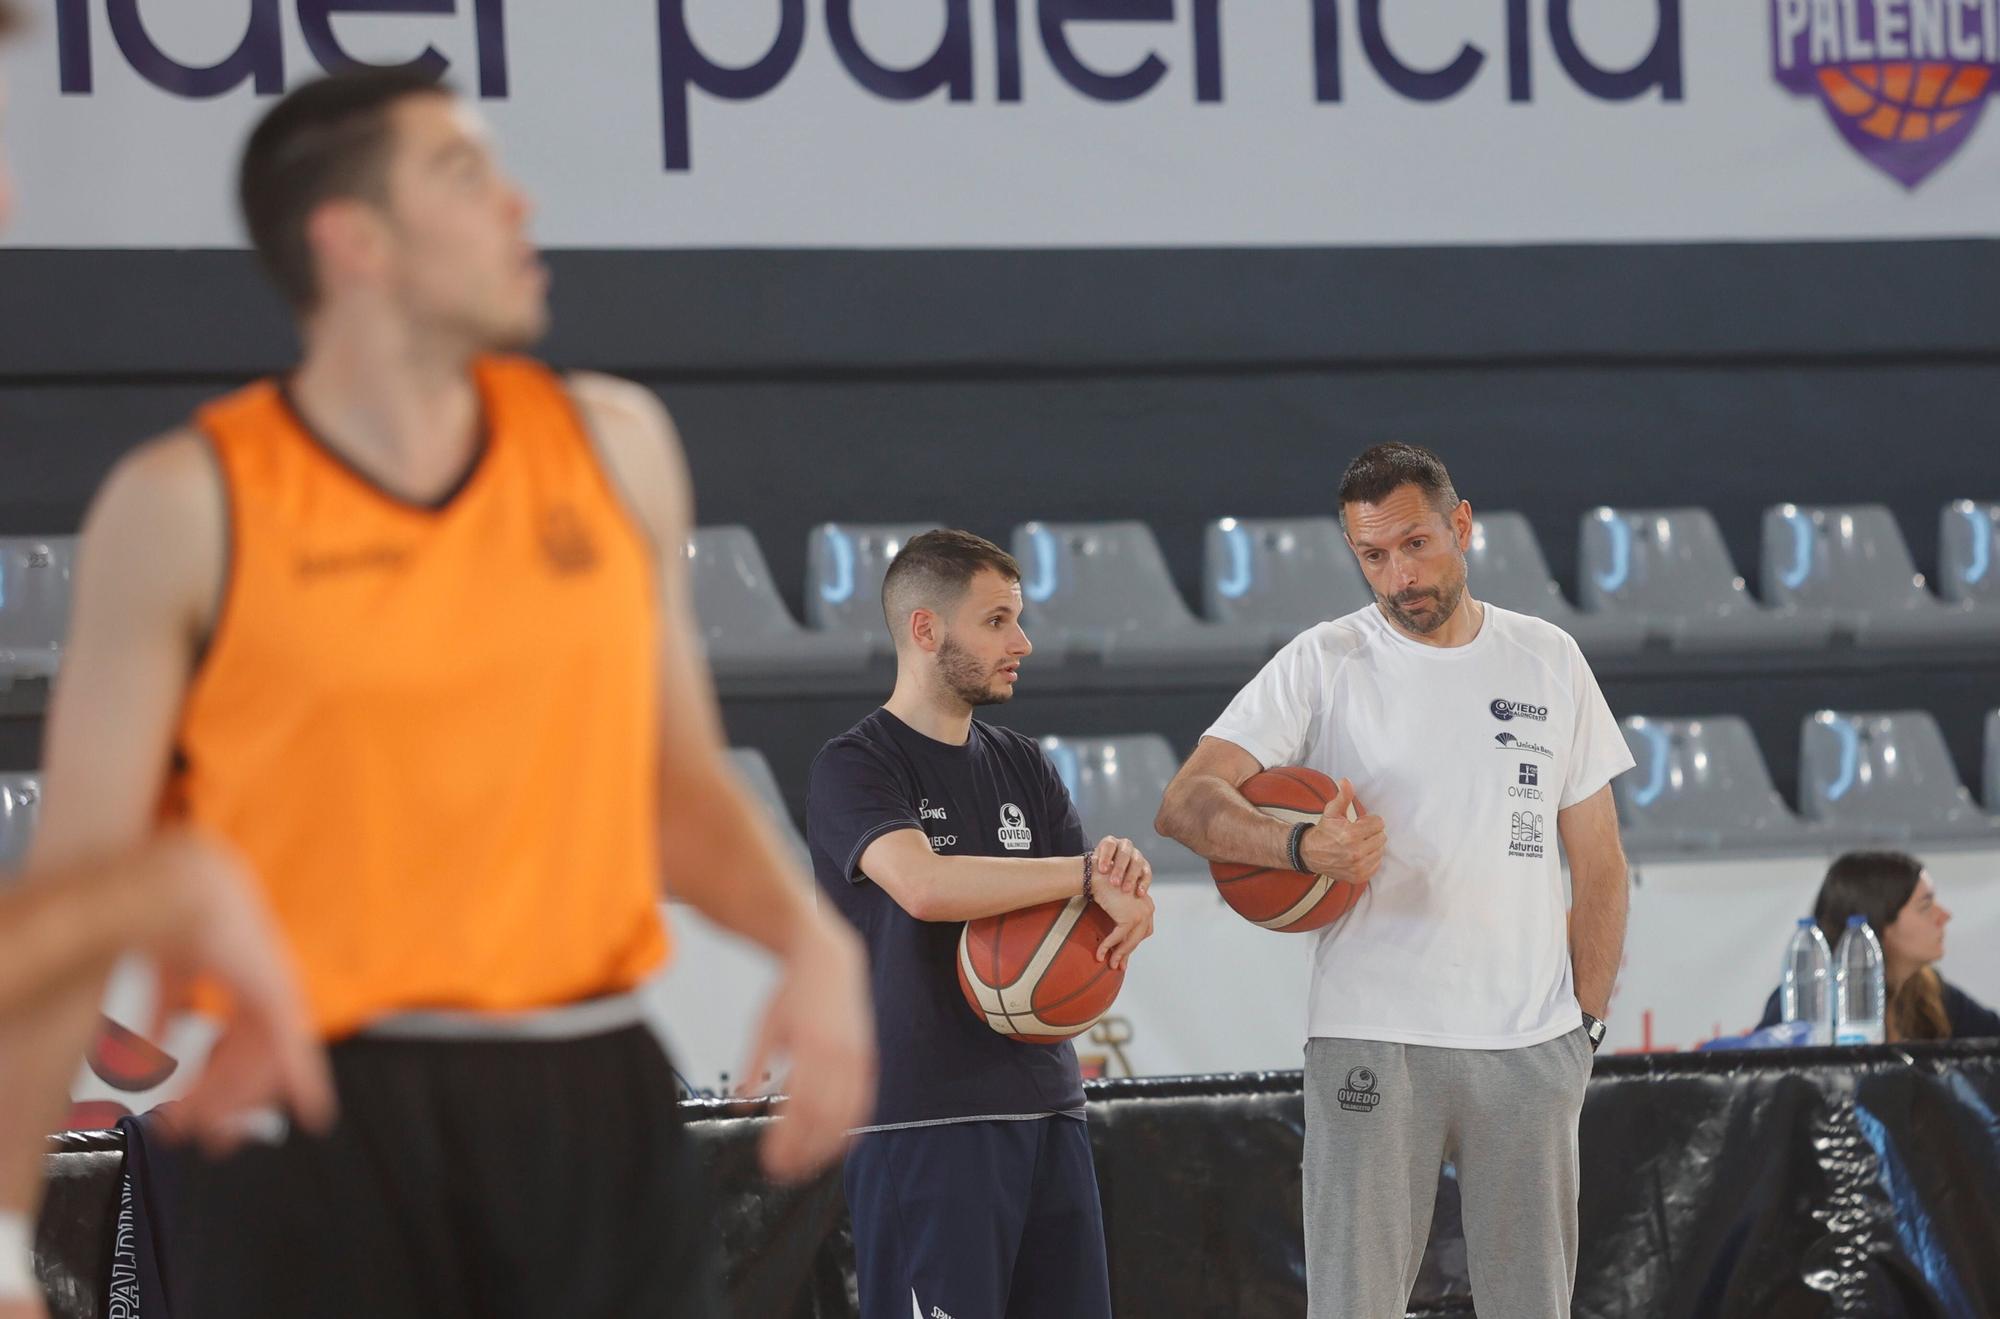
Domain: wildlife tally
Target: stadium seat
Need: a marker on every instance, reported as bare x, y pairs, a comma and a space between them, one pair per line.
34, 603
756, 773
1102, 591
1504, 565
1669, 568
1992, 772
1701, 784
1280, 575
845, 563
1117, 783
20, 803
744, 624
1968, 565
1849, 563
1887, 776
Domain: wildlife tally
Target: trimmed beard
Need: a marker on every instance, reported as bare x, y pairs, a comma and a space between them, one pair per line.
1447, 597
967, 678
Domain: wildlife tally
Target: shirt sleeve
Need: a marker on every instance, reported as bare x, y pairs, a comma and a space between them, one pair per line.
1272, 717
852, 798
1597, 750
1059, 809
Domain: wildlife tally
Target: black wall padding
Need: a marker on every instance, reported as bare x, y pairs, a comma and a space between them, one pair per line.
73, 1241
1807, 1184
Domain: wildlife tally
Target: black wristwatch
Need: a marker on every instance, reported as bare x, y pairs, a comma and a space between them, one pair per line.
1594, 1029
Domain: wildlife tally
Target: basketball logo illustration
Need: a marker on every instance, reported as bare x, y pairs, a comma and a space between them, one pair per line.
1904, 81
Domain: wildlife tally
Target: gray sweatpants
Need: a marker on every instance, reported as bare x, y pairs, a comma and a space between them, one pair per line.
1381, 1119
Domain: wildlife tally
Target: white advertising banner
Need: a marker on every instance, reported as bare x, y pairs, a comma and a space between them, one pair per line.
1209, 992
1093, 123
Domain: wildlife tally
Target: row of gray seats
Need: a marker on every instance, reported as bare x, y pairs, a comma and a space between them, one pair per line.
1701, 784
1876, 777
1101, 592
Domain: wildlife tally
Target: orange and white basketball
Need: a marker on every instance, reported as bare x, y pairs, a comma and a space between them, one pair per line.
1279, 898
1033, 974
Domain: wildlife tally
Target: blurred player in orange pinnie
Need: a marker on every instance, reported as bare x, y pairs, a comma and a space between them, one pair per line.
409, 628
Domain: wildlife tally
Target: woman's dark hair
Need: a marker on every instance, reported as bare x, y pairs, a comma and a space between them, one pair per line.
1877, 886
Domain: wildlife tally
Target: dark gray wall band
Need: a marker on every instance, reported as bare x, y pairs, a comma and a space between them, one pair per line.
782, 311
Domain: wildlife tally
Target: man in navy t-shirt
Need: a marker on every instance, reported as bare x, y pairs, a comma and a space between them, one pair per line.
972, 1192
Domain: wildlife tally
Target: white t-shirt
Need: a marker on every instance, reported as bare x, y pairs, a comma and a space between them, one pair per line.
1467, 753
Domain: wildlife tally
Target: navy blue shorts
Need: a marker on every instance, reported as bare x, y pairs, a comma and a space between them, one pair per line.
978, 1220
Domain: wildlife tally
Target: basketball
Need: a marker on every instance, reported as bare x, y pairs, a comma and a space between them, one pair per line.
1033, 975
1277, 898
1903, 102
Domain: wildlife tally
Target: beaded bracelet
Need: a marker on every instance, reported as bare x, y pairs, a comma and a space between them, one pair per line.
1292, 851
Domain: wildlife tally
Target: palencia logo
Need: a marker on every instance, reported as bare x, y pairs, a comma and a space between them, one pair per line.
1015, 835
1506, 710
1904, 81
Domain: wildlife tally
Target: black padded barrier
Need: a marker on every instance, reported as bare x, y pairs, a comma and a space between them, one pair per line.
1801, 1184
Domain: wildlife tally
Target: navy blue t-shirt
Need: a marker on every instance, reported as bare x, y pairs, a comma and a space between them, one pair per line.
995, 796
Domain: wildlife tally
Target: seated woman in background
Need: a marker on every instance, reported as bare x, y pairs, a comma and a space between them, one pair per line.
1892, 891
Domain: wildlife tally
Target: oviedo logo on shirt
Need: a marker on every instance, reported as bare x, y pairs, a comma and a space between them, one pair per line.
1015, 835
1358, 1095
1506, 710
1527, 838
1527, 782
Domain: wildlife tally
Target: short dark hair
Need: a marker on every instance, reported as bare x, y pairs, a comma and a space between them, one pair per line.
10, 19
1377, 473
933, 570
328, 138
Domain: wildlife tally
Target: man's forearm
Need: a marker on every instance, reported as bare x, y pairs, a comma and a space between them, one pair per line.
1211, 819
1601, 896
62, 932
965, 888
39, 1053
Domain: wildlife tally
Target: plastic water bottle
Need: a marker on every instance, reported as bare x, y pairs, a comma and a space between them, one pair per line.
1806, 993
1858, 992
